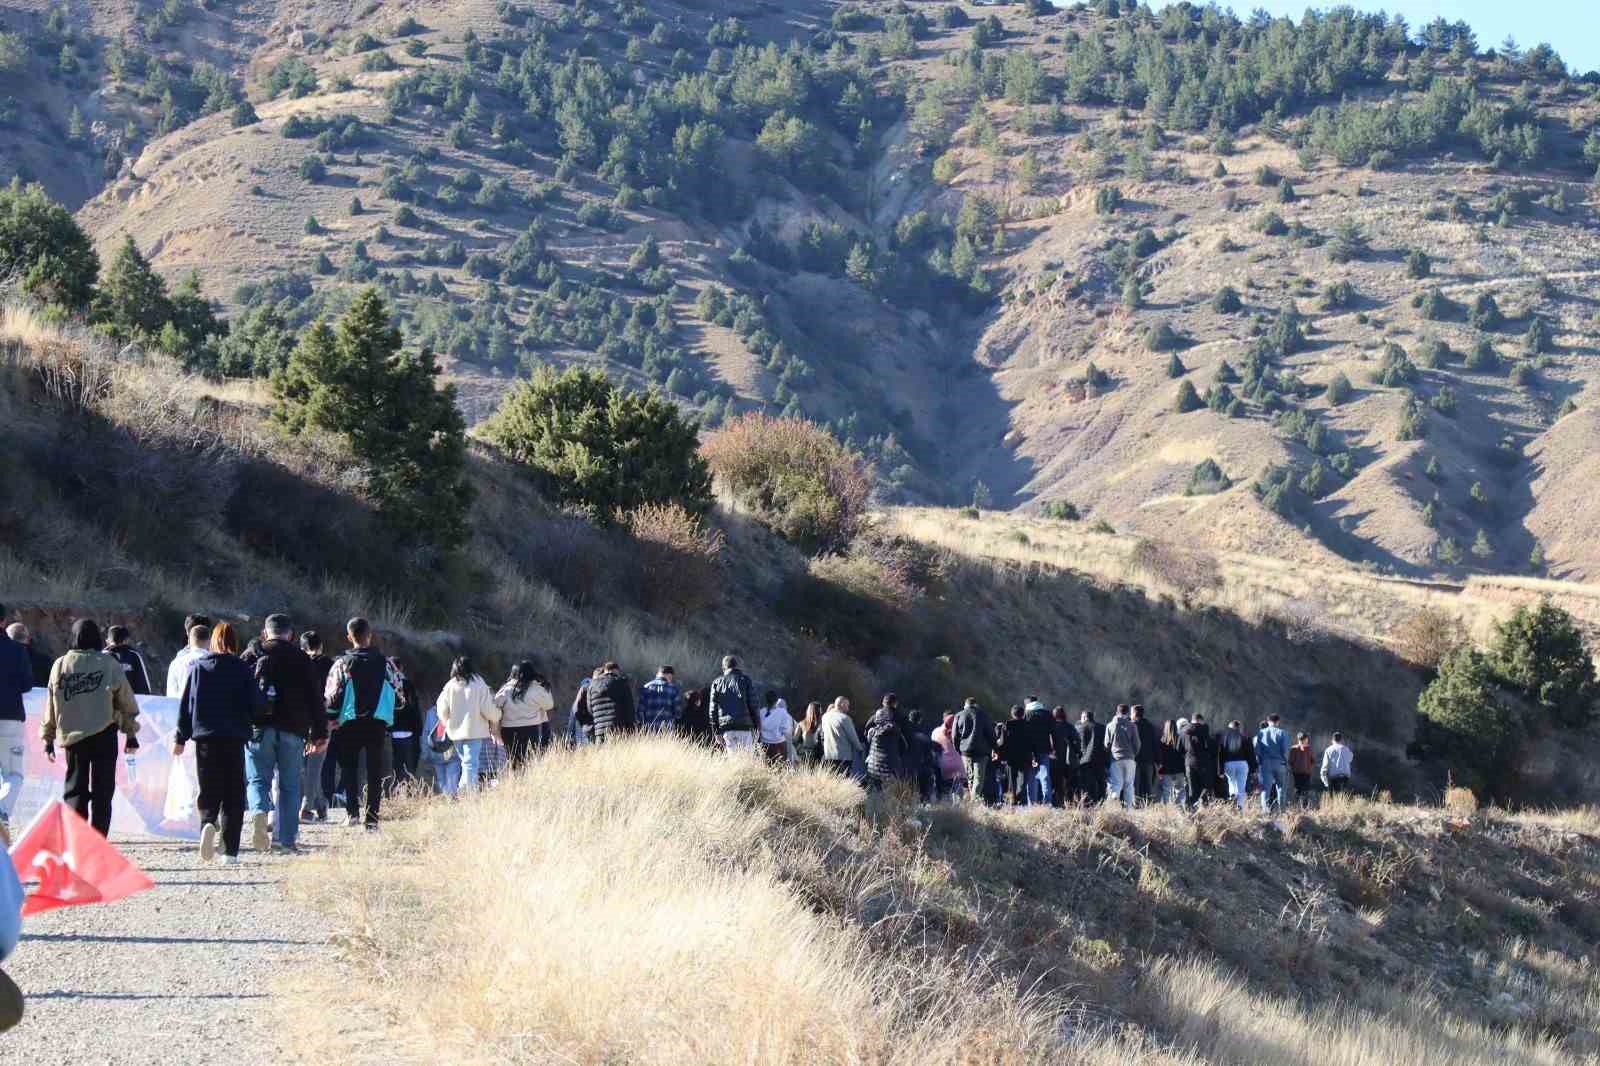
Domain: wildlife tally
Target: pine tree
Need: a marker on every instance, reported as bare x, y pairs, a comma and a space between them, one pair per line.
132, 302
1481, 546
1188, 399
354, 380
1175, 367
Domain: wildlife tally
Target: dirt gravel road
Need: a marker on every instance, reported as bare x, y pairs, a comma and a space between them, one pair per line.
180, 975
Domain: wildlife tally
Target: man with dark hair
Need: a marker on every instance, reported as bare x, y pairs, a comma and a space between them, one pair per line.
733, 708
1041, 735
405, 739
1271, 745
1199, 759
363, 689
316, 780
118, 648
197, 631
1144, 763
888, 744
1337, 760
1093, 758
974, 733
293, 721
610, 703
1064, 764
16, 677
660, 702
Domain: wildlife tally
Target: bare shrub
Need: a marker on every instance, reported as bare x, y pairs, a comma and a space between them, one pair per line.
1302, 621
678, 559
795, 476
1189, 573
1426, 636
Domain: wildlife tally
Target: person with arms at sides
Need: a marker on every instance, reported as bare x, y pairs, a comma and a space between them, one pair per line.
732, 708
292, 721
808, 740
317, 777
219, 709
119, 648
660, 705
525, 704
467, 709
842, 746
363, 690
89, 703
16, 679
405, 739
1337, 761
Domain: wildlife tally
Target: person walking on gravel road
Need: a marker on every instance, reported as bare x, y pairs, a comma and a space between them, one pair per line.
89, 703
219, 710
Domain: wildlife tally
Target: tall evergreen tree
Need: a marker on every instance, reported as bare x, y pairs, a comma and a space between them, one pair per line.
42, 243
132, 301
354, 380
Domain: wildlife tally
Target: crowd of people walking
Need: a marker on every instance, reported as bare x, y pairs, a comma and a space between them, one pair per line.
282, 730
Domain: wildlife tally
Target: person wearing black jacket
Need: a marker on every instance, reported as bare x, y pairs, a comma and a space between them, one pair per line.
974, 731
1093, 758
1042, 736
609, 703
316, 780
1144, 763
132, 662
1199, 760
405, 739
1016, 755
888, 744
1068, 750
293, 721
218, 711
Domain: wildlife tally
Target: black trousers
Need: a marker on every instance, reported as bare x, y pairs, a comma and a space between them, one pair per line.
92, 777
1017, 781
1060, 782
406, 751
219, 764
1144, 781
1202, 783
523, 741
358, 737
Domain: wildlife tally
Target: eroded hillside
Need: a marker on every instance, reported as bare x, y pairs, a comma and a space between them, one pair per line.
988, 245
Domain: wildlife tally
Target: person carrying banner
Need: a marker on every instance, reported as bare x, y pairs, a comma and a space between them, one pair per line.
219, 709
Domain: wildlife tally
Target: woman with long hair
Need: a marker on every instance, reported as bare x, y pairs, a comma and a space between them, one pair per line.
88, 703
1169, 762
808, 737
470, 717
525, 704
218, 711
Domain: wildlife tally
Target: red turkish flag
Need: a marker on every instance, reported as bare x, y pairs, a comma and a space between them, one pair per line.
72, 863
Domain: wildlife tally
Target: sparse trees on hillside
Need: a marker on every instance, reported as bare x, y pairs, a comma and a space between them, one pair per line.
132, 299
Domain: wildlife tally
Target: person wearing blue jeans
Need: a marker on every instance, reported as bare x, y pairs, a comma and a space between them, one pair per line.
281, 753
1272, 760
468, 766
293, 720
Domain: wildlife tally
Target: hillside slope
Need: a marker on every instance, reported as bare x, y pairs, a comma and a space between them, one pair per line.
916, 204
780, 917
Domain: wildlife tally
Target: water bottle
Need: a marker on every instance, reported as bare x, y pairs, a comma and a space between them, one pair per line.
131, 758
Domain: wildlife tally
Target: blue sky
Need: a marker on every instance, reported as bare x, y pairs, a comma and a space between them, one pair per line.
1571, 27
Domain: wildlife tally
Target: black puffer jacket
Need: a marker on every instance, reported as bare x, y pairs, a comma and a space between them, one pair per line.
1199, 747
609, 701
888, 744
1149, 741
295, 702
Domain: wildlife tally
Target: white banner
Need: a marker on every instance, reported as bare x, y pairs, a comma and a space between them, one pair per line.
155, 792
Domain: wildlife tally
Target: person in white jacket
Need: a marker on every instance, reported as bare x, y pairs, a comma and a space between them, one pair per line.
525, 704
777, 731
468, 711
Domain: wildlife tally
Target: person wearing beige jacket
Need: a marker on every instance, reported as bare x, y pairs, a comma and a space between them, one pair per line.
88, 702
468, 713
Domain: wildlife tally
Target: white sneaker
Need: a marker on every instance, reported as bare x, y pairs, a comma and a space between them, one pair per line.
208, 842
230, 860
260, 836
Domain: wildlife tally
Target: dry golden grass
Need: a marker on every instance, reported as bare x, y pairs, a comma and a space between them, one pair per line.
1346, 600
653, 903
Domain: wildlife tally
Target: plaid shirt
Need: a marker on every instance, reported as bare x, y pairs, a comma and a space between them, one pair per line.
660, 704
